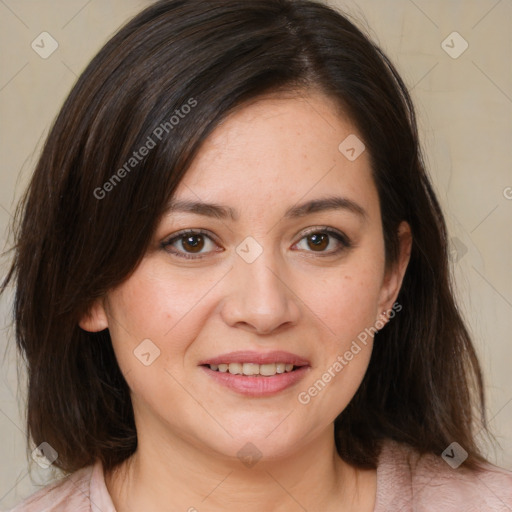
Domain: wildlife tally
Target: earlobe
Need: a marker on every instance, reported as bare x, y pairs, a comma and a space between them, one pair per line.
395, 275
95, 319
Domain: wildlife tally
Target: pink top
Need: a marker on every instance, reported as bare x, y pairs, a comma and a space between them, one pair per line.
405, 483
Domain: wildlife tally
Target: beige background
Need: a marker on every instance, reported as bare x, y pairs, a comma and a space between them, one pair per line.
465, 114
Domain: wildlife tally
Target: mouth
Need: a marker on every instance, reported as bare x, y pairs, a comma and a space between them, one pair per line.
254, 369
255, 373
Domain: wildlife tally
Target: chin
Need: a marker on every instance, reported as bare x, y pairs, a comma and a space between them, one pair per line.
262, 444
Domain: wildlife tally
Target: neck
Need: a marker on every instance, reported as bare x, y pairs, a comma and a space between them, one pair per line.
180, 476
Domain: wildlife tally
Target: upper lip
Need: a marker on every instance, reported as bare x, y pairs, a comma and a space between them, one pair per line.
277, 356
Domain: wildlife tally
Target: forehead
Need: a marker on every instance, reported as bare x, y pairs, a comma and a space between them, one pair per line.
278, 149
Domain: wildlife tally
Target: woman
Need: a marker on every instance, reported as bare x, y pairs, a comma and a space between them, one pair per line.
232, 279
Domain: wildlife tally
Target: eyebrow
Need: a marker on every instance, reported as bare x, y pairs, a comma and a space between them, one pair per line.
223, 212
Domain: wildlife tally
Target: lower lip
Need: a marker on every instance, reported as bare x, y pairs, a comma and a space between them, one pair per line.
251, 385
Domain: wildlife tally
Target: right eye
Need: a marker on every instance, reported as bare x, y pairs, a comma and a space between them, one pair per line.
188, 243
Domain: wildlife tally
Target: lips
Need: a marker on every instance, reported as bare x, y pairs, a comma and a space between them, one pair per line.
256, 374
260, 358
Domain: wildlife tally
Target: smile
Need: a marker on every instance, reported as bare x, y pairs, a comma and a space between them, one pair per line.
262, 370
255, 373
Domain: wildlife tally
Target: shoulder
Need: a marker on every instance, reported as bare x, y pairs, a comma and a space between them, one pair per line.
427, 482
81, 491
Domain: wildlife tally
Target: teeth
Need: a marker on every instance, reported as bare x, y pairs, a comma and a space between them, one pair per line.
280, 367
250, 369
266, 370
235, 368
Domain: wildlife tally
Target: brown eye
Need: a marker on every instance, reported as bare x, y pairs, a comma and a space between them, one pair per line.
192, 243
318, 241
189, 244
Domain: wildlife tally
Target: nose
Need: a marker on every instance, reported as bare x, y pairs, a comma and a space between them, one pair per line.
261, 297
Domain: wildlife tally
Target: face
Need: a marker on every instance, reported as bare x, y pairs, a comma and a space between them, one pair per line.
285, 272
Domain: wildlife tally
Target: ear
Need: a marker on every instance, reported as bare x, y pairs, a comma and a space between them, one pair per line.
95, 319
395, 274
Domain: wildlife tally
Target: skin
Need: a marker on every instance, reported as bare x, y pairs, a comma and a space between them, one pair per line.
270, 155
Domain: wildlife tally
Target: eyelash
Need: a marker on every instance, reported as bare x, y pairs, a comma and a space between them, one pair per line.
340, 237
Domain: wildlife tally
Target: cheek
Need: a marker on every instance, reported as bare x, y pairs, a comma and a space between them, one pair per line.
350, 302
153, 303
347, 300
151, 322
349, 312
347, 303
168, 309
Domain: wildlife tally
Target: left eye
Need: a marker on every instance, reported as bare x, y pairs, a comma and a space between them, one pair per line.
319, 239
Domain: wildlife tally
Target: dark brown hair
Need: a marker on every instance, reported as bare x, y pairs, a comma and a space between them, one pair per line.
84, 225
